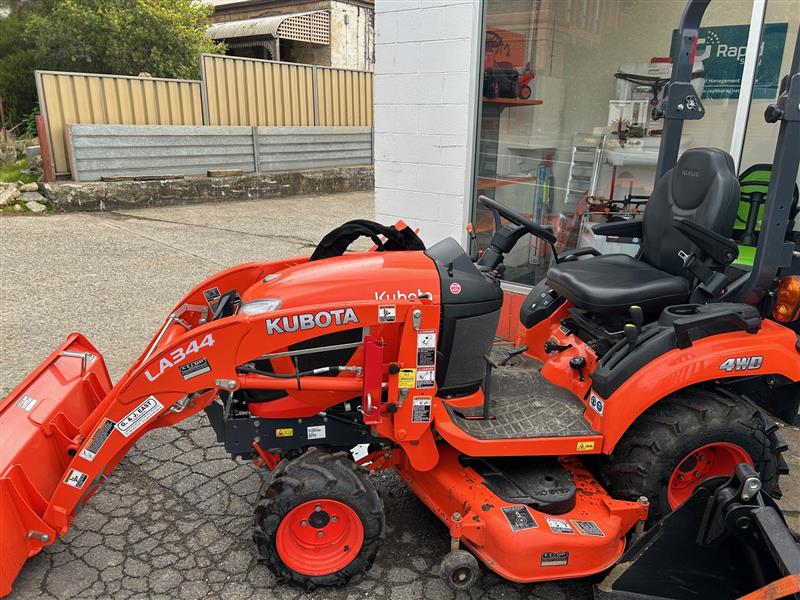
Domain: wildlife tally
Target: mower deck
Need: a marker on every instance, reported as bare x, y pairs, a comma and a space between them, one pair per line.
523, 405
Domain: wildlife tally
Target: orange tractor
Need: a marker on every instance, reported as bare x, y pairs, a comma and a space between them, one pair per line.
627, 412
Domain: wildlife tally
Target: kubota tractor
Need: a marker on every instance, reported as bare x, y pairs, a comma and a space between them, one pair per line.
627, 410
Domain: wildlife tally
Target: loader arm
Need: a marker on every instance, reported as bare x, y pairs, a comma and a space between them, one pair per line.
65, 428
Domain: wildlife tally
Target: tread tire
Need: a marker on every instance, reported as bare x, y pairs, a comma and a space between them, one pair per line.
312, 475
644, 459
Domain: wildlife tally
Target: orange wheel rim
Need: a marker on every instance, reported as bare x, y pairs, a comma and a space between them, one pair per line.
712, 460
319, 537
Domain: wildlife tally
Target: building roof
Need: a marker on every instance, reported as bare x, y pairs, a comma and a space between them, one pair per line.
312, 27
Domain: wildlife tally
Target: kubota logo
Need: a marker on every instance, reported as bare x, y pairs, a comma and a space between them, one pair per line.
324, 318
398, 295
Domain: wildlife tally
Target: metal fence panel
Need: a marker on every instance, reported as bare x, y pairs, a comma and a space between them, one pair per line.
123, 150
74, 98
345, 97
129, 150
291, 148
246, 91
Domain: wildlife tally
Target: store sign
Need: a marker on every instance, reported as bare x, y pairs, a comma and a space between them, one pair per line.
722, 50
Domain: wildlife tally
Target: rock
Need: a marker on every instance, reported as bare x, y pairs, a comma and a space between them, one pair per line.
29, 187
31, 196
32, 152
18, 207
8, 195
35, 206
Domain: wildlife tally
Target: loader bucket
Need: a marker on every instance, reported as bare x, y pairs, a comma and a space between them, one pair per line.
39, 425
715, 546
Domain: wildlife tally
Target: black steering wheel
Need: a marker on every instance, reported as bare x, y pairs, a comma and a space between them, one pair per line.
498, 210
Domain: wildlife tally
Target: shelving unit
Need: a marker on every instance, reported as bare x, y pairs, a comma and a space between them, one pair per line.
489, 143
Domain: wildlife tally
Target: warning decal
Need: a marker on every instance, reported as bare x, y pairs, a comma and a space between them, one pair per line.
387, 313
407, 378
519, 518
426, 377
26, 403
287, 432
421, 409
76, 479
559, 525
99, 438
588, 528
426, 347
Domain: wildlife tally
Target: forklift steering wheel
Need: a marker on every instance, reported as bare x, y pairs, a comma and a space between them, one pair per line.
498, 210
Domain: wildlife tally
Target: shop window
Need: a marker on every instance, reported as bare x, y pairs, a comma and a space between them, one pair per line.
781, 22
566, 135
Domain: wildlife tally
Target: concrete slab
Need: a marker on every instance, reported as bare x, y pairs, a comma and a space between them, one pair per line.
174, 519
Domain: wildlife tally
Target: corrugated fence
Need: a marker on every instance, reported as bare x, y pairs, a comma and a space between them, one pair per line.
129, 150
233, 92
68, 98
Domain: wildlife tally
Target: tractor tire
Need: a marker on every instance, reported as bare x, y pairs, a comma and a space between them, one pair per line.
687, 437
319, 521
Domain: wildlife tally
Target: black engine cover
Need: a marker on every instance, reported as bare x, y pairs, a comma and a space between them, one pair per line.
539, 482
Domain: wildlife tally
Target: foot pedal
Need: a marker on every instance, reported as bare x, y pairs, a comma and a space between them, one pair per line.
539, 482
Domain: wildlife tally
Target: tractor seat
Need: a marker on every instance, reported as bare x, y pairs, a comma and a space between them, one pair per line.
703, 188
615, 282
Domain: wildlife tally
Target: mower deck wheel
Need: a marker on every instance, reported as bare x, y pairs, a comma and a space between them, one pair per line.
319, 520
459, 569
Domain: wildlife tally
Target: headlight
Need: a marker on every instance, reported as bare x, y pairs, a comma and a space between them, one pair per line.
257, 307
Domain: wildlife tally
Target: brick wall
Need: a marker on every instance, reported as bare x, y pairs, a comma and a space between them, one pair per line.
423, 109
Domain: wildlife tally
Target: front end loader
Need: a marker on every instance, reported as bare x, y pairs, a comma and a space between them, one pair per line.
623, 429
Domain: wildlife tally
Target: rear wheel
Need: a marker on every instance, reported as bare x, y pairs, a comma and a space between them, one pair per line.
687, 438
319, 520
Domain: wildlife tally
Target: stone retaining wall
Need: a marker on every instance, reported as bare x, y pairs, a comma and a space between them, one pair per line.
69, 196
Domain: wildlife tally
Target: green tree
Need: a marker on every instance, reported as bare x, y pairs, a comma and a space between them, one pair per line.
123, 37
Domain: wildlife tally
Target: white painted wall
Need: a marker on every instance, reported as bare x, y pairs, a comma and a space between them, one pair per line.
424, 108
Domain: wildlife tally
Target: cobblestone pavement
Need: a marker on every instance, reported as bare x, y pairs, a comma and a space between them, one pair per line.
173, 521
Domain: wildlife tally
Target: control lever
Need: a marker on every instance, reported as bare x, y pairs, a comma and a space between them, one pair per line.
637, 316
474, 255
631, 334
579, 364
511, 354
551, 346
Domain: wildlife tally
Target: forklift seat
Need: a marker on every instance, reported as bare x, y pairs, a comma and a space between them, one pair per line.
703, 188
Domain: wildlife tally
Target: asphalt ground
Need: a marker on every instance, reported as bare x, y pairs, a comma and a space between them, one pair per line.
174, 519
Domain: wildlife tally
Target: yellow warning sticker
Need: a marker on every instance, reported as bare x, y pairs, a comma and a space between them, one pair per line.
583, 446
289, 432
407, 378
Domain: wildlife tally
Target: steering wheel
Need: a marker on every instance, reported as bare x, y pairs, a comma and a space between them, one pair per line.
498, 210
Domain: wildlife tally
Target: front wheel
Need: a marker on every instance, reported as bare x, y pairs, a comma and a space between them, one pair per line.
319, 520
687, 438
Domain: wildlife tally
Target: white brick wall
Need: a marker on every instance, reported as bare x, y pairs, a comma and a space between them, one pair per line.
423, 107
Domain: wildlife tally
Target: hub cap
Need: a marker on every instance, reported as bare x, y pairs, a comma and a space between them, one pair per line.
319, 537
711, 460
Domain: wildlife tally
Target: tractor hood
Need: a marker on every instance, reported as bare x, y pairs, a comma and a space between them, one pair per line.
386, 276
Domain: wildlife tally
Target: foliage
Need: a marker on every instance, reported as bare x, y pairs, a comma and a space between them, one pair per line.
161, 37
11, 173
